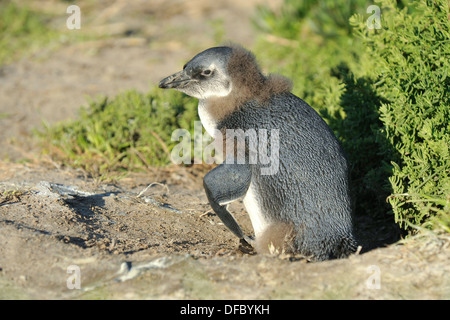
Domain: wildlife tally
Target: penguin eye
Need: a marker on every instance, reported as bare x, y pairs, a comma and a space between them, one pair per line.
206, 72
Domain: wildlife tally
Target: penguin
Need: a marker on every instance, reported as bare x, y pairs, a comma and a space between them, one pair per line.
303, 206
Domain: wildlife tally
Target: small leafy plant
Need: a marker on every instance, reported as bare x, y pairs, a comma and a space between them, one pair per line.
128, 132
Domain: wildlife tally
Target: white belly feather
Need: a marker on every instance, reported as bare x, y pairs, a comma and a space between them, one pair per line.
251, 201
255, 211
207, 119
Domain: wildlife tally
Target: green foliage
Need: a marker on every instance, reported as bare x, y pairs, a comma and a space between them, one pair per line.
412, 57
21, 30
130, 131
327, 18
25, 31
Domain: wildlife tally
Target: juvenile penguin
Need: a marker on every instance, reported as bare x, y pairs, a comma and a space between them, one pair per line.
303, 206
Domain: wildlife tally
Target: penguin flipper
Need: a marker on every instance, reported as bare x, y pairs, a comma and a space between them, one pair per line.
224, 184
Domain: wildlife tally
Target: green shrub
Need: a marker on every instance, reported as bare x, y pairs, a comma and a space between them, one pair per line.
130, 131
327, 18
412, 64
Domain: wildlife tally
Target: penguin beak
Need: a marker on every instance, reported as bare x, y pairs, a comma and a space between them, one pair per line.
177, 80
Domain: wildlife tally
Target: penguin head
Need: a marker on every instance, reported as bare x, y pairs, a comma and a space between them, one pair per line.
226, 78
204, 76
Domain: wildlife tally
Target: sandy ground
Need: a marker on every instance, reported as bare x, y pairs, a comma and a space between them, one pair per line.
66, 236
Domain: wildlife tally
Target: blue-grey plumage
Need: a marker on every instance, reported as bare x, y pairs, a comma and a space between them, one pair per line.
310, 189
304, 205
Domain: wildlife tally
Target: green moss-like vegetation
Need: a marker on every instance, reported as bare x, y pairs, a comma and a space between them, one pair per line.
130, 131
412, 64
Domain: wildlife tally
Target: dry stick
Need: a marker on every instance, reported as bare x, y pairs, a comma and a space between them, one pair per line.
164, 146
152, 184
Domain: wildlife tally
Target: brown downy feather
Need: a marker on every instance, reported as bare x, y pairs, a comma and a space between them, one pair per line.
248, 84
276, 239
248, 81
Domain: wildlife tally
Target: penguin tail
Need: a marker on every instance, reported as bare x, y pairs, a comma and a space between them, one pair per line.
347, 246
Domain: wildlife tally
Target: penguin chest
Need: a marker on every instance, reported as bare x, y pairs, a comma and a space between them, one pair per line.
208, 120
255, 210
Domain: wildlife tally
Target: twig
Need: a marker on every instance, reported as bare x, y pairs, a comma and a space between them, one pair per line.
161, 141
206, 213
150, 185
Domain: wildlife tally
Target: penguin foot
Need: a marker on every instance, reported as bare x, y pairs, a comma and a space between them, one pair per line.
246, 245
